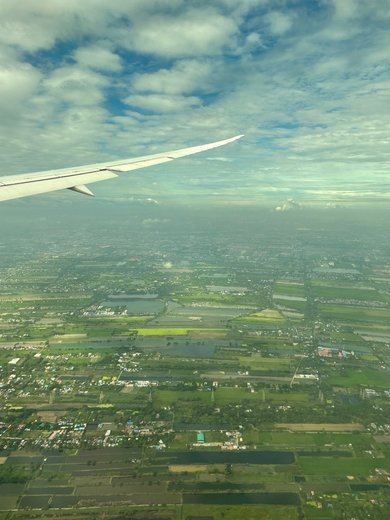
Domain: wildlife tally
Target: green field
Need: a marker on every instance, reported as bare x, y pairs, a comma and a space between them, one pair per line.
360, 376
169, 397
296, 305
252, 512
289, 288
225, 395
346, 292
342, 466
264, 316
174, 331
347, 313
310, 440
267, 363
202, 295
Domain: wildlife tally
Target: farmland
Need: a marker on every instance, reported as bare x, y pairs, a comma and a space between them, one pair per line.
203, 385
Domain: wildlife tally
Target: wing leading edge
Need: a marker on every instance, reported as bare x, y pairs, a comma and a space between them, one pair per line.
24, 185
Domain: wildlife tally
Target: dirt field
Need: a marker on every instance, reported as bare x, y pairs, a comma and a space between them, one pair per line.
47, 416
191, 468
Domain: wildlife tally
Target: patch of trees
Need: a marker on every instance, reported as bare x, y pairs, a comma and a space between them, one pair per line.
13, 475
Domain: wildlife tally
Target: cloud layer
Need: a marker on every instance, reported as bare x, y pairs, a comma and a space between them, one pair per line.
307, 82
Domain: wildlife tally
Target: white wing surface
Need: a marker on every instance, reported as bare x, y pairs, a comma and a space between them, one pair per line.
23, 185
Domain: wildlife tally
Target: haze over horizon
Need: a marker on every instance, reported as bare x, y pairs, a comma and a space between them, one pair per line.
307, 82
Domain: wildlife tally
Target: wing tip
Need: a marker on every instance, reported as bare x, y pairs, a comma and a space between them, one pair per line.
231, 139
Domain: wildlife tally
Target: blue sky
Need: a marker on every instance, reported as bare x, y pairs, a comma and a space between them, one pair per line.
307, 82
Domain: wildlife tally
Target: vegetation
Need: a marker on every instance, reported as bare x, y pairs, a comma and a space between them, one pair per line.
216, 392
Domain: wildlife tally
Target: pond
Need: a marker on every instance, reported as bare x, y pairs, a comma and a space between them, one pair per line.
222, 457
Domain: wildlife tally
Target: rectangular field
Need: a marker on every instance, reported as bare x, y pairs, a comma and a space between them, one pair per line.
321, 427
171, 331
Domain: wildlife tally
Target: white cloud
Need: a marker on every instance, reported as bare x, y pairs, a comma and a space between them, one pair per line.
279, 23
162, 103
310, 89
192, 33
29, 35
345, 9
35, 25
18, 83
99, 58
222, 159
185, 77
75, 85
242, 7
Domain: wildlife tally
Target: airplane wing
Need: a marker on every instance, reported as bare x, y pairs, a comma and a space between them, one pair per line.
24, 185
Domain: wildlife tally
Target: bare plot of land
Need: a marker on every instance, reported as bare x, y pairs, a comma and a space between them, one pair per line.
382, 439
47, 416
193, 468
288, 297
8, 502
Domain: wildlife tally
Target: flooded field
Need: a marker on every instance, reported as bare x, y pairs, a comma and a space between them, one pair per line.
225, 457
87, 345
242, 498
181, 347
38, 501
